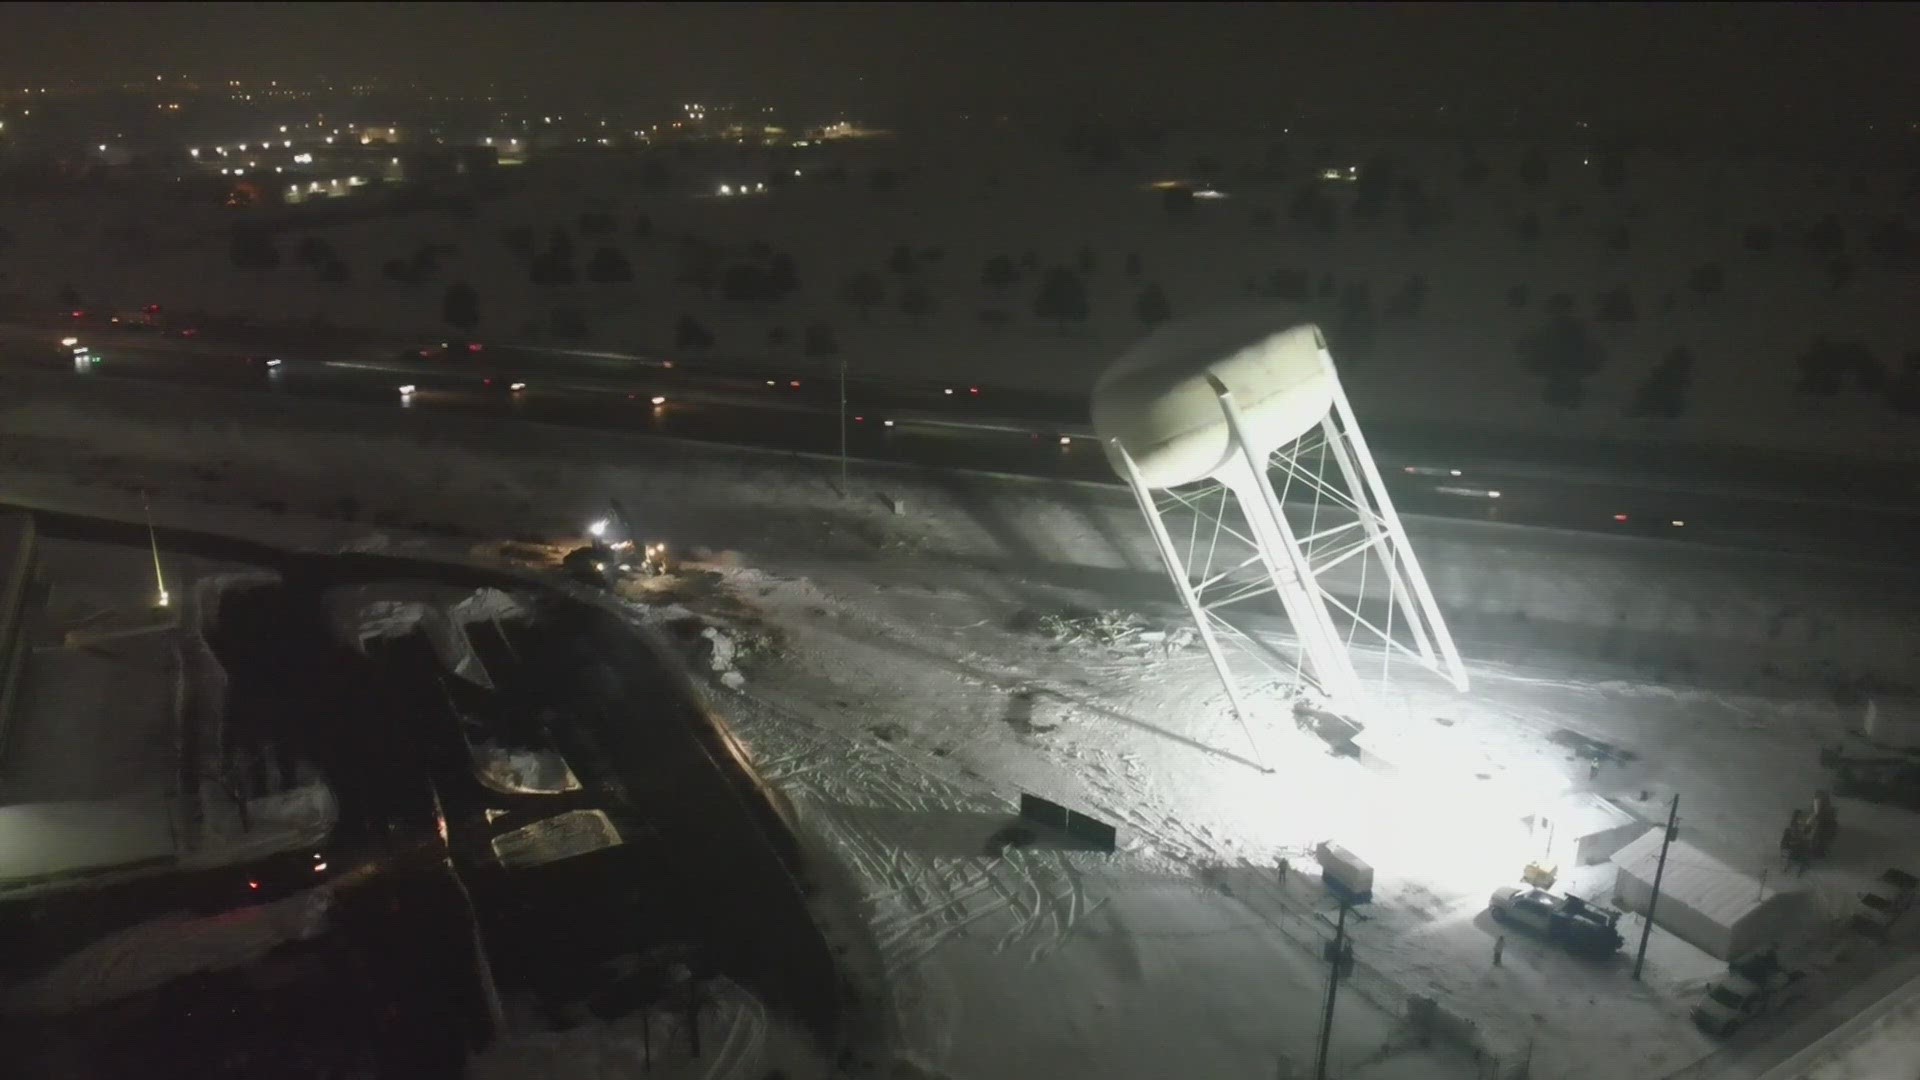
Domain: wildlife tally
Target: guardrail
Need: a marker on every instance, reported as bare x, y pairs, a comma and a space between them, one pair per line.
19, 557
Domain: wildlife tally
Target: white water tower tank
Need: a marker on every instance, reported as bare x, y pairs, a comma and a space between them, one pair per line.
1161, 406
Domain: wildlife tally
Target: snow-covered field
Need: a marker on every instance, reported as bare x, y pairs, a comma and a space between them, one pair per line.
965, 195
902, 698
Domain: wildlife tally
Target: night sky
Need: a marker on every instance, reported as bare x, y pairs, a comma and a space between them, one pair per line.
1700, 64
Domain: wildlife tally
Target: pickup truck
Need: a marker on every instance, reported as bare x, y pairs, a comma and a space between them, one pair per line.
1753, 986
1581, 928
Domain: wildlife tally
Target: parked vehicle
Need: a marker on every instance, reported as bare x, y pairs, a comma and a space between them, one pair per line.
1753, 986
1883, 904
1581, 928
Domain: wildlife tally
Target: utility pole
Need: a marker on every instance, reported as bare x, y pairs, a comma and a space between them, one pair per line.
843, 427
1336, 953
1659, 871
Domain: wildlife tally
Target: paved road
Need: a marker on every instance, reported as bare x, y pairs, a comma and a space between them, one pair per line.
995, 429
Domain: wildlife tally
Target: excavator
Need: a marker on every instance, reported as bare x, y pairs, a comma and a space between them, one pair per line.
613, 555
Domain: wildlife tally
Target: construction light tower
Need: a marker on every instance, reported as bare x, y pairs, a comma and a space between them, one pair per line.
1201, 411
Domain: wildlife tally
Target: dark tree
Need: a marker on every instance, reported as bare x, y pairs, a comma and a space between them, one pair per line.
597, 223
1616, 306
560, 242
1709, 279
1375, 186
1262, 221
1894, 246
1620, 238
608, 266
1151, 308
776, 338
642, 227
1290, 283
1518, 295
253, 249
1530, 226
1326, 289
819, 340
1564, 354
1818, 376
902, 260
1828, 236
1662, 395
746, 281
1533, 167
1613, 171
1062, 298
68, 296
1029, 260
423, 262
1758, 239
689, 336
931, 256
783, 280
916, 303
1133, 264
568, 322
994, 319
1903, 393
1087, 261
313, 252
863, 290
398, 270
519, 240
1409, 302
1356, 307
883, 181
997, 275
1839, 272
336, 272
460, 306
1474, 169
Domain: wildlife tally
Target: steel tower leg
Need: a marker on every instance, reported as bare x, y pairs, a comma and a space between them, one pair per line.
1195, 610
1429, 608
1381, 542
1286, 564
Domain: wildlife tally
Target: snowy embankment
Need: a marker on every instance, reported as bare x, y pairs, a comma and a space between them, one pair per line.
903, 637
222, 458
156, 952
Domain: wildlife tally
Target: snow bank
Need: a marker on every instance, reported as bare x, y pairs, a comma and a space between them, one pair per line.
154, 953
488, 604
523, 772
40, 840
361, 621
562, 836
739, 1041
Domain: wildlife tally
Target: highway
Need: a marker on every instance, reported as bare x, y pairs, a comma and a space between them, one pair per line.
979, 427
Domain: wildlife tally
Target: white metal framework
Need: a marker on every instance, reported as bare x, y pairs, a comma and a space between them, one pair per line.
1326, 540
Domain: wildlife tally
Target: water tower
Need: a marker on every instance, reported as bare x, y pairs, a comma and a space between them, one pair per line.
1199, 420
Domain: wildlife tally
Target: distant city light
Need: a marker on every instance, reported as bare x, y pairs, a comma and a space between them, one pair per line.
103, 148
193, 151
726, 189
658, 400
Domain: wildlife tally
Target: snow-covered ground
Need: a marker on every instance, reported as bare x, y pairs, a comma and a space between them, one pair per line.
968, 194
902, 697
